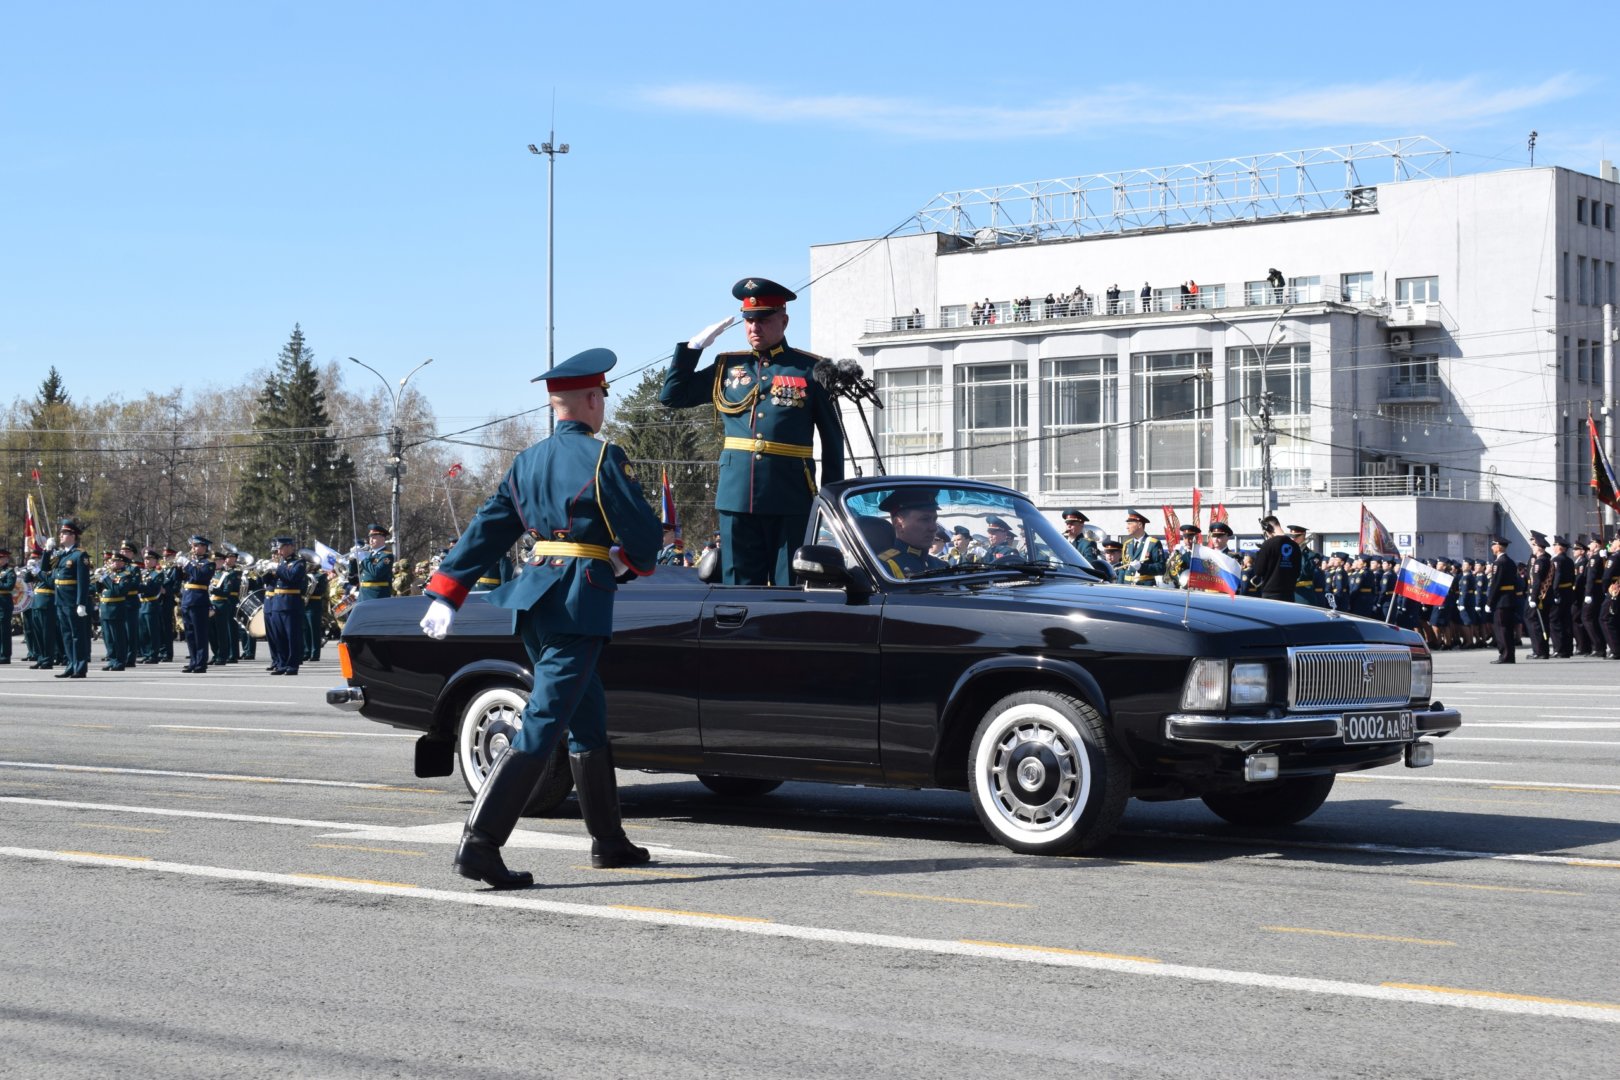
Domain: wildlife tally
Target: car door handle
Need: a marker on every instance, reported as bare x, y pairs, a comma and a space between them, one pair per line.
730, 614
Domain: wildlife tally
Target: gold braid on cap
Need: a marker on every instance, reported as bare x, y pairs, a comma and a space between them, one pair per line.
731, 408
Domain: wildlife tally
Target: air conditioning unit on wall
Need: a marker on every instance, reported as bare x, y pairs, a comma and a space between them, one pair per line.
1400, 341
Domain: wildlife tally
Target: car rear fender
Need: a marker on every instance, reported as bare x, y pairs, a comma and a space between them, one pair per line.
988, 681
469, 680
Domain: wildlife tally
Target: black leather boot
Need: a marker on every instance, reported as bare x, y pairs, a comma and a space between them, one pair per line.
494, 815
597, 788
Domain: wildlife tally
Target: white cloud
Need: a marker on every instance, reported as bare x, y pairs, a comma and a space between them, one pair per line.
1391, 104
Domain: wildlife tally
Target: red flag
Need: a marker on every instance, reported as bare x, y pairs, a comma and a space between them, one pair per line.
453, 471
30, 534
1217, 514
1172, 527
1198, 499
669, 514
1603, 482
1375, 539
36, 475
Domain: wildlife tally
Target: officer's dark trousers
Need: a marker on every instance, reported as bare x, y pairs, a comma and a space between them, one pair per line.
166, 631
1538, 621
1505, 622
75, 631
194, 617
149, 615
112, 634
246, 646
567, 692
5, 629
1560, 629
757, 549
314, 630
47, 637
1592, 620
129, 611
31, 636
219, 632
1610, 618
286, 633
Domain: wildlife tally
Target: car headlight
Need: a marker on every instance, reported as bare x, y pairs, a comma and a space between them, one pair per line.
1422, 675
1206, 686
1249, 684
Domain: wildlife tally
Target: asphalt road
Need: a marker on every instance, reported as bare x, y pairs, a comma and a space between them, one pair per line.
220, 875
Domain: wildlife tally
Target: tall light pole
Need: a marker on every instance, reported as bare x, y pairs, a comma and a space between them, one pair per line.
396, 441
550, 150
1268, 497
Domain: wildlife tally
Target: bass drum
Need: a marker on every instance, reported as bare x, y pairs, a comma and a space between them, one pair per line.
340, 611
22, 596
250, 614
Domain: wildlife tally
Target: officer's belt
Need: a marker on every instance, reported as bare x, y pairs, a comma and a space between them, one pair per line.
191, 586
150, 599
280, 592
112, 599
546, 549
66, 581
1570, 585
489, 581
764, 446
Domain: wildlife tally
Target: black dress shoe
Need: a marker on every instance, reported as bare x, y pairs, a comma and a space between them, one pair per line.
63, 675
478, 857
77, 675
1501, 661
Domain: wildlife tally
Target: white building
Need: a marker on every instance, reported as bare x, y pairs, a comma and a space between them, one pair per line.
1432, 352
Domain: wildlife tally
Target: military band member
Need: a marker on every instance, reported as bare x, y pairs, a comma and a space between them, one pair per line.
914, 515
1074, 527
8, 582
170, 603
1503, 594
769, 401
1142, 557
224, 594
285, 586
315, 614
376, 566
149, 598
42, 612
1179, 562
578, 498
118, 594
70, 576
195, 612
130, 610
1112, 558
1001, 546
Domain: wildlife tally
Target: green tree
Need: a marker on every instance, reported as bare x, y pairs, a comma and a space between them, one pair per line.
684, 441
298, 475
52, 440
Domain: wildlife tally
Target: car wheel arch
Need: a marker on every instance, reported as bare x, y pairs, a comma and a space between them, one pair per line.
471, 680
985, 683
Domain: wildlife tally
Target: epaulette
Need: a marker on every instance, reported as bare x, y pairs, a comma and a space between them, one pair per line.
727, 355
891, 553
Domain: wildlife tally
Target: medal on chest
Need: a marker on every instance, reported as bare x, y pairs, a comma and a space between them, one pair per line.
738, 376
790, 391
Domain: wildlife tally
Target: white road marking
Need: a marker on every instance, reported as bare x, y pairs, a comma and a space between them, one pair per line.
284, 731
50, 766
1371, 849
127, 701
1370, 777
1534, 742
448, 832
1549, 725
1033, 954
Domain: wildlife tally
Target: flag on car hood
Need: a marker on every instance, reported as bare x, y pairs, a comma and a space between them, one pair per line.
1214, 571
1423, 583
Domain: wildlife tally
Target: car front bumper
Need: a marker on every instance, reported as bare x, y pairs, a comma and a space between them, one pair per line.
1249, 731
347, 698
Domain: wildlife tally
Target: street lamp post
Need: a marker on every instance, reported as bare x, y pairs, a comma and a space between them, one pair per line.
396, 445
1268, 496
550, 150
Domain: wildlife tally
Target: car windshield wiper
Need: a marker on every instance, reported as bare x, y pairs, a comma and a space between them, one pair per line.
962, 568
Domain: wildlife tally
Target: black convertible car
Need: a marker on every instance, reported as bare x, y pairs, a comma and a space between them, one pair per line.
1050, 697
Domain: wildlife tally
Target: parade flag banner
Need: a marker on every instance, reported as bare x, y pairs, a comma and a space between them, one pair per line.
670, 517
1214, 571
1603, 483
1423, 583
30, 530
1375, 539
453, 471
1198, 500
1172, 527
1217, 514
328, 556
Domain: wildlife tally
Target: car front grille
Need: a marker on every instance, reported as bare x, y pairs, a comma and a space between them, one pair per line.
1349, 676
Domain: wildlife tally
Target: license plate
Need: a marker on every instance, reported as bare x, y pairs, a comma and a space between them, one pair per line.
1377, 727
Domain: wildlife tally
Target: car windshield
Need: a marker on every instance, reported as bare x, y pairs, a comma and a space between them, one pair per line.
914, 530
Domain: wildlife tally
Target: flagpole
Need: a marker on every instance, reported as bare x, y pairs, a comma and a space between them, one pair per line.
453, 522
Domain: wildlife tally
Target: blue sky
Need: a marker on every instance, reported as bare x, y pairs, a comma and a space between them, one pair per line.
181, 183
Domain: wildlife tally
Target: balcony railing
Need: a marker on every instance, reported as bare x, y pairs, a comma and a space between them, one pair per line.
1410, 391
1431, 487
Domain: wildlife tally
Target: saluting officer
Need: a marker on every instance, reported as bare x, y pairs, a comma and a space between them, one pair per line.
1503, 595
768, 400
224, 593
8, 582
578, 498
1143, 556
118, 594
70, 574
376, 565
914, 514
195, 577
284, 588
41, 614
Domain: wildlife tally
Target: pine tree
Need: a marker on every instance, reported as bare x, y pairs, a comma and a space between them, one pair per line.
684, 441
297, 475
51, 418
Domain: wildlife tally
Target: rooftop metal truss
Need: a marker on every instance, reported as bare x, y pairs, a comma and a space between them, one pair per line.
1283, 184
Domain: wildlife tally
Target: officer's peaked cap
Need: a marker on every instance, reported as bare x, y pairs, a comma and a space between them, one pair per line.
1068, 514
1136, 515
993, 522
278, 541
375, 528
1537, 538
582, 371
70, 525
1559, 541
1298, 529
761, 296
1501, 541
1221, 527
961, 530
199, 539
1190, 530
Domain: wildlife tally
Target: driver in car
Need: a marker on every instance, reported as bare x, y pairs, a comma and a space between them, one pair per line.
914, 513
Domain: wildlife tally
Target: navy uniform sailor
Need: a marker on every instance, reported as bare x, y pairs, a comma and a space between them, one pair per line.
914, 514
577, 496
70, 575
376, 565
769, 402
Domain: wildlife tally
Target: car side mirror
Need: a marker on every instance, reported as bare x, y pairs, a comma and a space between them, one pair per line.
708, 566
822, 565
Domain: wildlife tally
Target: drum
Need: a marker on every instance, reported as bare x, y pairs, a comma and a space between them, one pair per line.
22, 596
250, 614
340, 612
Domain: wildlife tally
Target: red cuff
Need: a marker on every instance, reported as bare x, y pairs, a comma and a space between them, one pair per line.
447, 589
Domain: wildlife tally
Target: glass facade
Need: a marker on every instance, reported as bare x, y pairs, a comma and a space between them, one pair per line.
911, 425
1173, 420
1079, 418
992, 423
1288, 379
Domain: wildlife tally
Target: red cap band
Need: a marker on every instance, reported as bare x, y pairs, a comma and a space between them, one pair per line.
578, 382
752, 303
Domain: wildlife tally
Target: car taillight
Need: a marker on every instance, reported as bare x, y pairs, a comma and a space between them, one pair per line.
345, 665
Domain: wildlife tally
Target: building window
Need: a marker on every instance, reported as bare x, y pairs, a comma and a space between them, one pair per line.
911, 425
1580, 210
1581, 294
1608, 277
1581, 353
1563, 280
1356, 288
1563, 360
992, 423
1079, 424
1415, 376
1608, 216
1174, 420
1417, 290
1288, 378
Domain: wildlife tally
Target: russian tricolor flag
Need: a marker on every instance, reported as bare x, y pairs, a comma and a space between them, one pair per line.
1214, 571
1423, 583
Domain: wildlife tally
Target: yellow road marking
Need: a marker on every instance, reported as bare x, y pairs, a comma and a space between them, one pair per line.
1591, 862
104, 855
1062, 952
694, 914
942, 899
357, 881
1497, 888
822, 840
1492, 802
1566, 790
119, 828
1360, 937
643, 828
379, 850
1499, 995
93, 727
640, 873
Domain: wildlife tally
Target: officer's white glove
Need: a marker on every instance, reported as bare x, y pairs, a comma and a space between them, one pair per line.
616, 558
436, 623
1588, 599
80, 612
706, 337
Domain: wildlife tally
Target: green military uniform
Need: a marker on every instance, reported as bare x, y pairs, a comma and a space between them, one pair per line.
315, 615
70, 575
118, 593
47, 639
770, 406
8, 582
1142, 558
376, 568
224, 594
149, 598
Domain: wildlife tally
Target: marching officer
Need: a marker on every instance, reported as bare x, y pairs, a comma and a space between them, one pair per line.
1563, 597
1074, 527
1142, 558
1538, 620
8, 581
118, 593
195, 577
70, 575
578, 498
1503, 595
315, 614
284, 588
914, 515
149, 595
376, 568
224, 593
168, 604
768, 400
